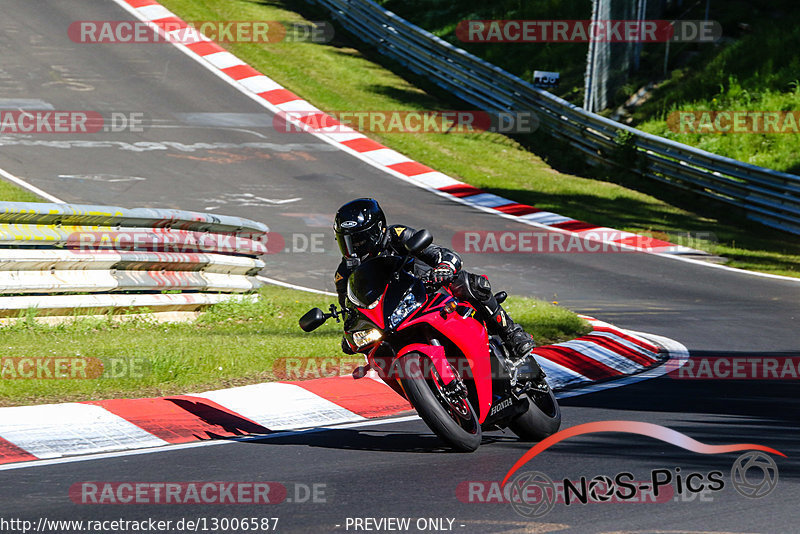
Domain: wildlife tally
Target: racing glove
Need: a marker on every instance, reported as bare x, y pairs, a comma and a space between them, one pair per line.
443, 273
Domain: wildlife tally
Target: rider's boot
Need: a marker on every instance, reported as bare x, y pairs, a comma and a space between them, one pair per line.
520, 345
519, 342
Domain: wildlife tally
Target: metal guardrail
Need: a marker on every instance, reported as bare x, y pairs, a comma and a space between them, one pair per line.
767, 196
61, 258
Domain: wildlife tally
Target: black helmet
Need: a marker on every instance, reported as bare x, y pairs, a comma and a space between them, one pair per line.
360, 226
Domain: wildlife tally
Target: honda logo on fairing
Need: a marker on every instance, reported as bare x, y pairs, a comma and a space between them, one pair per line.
505, 404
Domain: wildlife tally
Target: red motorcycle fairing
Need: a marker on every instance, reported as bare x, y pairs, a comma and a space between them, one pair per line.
436, 355
375, 314
469, 335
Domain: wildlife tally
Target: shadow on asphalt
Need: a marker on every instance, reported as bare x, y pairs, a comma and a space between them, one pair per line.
372, 440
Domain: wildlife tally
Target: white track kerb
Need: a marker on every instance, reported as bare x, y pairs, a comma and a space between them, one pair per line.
606, 357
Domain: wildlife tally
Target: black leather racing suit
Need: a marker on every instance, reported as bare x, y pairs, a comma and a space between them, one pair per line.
466, 286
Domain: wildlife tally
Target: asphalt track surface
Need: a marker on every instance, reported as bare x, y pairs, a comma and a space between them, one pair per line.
197, 152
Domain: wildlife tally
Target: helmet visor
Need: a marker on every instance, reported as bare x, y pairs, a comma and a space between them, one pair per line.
359, 244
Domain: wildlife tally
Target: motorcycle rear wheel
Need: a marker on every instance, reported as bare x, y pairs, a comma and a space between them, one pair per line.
542, 419
455, 424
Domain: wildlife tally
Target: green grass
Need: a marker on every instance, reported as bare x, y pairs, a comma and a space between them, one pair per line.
339, 77
13, 193
753, 73
546, 322
234, 343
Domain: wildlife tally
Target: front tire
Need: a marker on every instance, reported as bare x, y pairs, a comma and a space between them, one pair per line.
455, 424
542, 419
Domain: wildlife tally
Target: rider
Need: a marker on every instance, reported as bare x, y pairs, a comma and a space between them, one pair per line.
362, 233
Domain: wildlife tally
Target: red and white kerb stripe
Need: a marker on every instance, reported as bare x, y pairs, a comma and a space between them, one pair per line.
55, 430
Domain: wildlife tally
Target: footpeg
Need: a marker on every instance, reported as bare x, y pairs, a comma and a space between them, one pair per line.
536, 386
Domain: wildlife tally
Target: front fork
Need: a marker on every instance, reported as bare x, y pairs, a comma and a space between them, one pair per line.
435, 354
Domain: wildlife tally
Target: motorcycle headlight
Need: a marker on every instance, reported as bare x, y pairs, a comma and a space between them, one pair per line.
362, 338
404, 309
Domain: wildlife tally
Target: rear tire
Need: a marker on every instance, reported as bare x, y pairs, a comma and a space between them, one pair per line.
542, 419
456, 426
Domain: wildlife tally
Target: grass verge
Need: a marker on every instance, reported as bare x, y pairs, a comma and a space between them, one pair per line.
338, 77
232, 344
12, 193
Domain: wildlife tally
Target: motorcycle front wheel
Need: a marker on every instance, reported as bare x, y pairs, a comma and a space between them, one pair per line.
453, 420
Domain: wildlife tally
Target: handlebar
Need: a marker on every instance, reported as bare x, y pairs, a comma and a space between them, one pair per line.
430, 285
336, 313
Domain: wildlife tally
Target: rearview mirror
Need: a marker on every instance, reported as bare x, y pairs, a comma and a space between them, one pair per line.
419, 241
312, 320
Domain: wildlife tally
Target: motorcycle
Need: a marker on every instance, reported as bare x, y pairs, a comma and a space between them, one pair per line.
433, 350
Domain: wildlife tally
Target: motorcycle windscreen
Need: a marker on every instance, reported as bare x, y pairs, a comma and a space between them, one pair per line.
367, 283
